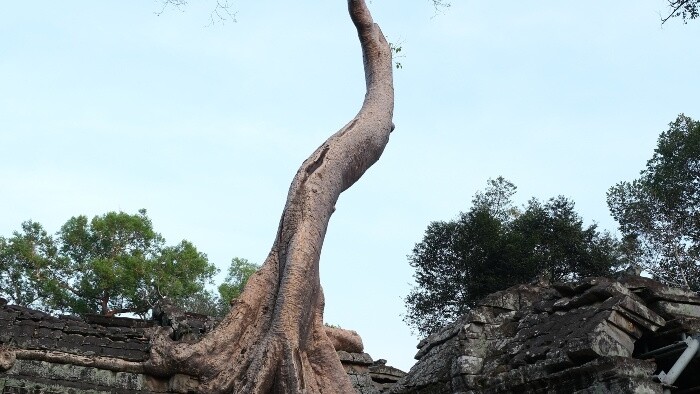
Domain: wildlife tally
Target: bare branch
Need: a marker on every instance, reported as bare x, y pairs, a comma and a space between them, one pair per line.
222, 12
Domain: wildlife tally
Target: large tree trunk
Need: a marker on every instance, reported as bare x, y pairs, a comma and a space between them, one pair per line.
273, 340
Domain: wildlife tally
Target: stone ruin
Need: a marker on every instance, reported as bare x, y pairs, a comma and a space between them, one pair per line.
595, 336
598, 335
44, 354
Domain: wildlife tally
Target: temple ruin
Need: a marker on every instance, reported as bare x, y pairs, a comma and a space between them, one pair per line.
597, 335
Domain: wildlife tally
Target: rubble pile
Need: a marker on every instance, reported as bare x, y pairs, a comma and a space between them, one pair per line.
595, 336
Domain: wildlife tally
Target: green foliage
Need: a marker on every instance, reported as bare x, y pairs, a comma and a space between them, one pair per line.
25, 259
239, 272
180, 271
114, 263
203, 302
551, 237
209, 303
110, 260
659, 212
494, 246
396, 54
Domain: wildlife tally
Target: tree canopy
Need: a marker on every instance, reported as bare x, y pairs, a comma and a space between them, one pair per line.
495, 245
659, 212
114, 263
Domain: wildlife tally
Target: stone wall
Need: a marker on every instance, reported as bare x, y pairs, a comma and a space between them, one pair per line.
44, 354
67, 354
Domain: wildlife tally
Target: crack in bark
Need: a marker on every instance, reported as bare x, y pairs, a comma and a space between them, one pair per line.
317, 163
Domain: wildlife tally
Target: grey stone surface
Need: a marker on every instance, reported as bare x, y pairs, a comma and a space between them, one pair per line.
114, 338
33, 330
565, 337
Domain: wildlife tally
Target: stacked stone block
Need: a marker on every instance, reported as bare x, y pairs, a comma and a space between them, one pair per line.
579, 337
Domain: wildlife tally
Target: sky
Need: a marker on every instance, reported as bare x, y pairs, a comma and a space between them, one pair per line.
107, 106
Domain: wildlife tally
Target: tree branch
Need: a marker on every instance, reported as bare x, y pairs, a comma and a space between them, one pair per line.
676, 6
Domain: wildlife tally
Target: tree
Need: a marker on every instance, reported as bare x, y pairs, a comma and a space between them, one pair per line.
659, 212
550, 238
114, 263
273, 339
239, 272
178, 272
211, 304
494, 246
204, 302
110, 259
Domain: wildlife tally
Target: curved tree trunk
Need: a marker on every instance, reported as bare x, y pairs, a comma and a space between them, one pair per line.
273, 339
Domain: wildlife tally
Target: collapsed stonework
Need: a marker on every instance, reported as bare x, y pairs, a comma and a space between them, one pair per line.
44, 354
595, 336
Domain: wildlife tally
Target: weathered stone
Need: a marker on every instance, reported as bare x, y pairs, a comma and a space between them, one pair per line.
651, 290
669, 308
620, 321
7, 358
102, 321
568, 289
355, 358
446, 333
577, 337
514, 299
433, 371
636, 311
608, 340
467, 365
481, 315
601, 291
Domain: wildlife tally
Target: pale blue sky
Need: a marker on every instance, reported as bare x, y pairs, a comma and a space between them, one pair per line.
105, 106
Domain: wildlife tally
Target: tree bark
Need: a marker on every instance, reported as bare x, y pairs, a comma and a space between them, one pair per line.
273, 339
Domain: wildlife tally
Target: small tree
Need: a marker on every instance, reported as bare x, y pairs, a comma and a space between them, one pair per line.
659, 212
496, 245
